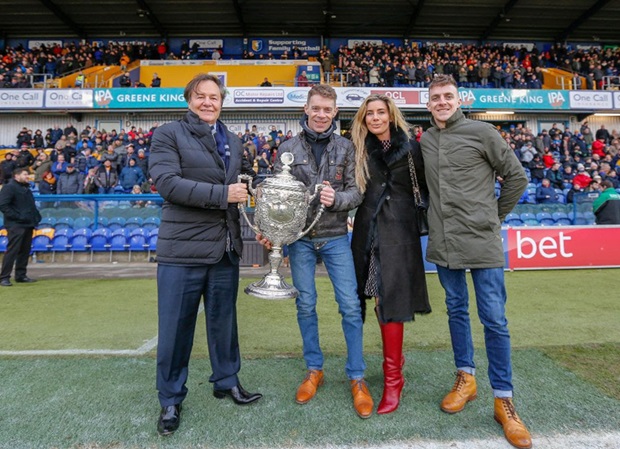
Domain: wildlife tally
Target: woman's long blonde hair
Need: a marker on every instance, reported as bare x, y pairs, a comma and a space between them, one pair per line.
359, 131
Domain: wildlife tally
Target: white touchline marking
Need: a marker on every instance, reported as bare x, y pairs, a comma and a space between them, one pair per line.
145, 348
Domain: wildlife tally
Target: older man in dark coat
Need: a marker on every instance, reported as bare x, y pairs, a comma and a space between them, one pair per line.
195, 164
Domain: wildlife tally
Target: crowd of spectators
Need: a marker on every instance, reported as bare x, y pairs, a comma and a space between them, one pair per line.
365, 64
561, 162
57, 60
95, 161
471, 66
89, 161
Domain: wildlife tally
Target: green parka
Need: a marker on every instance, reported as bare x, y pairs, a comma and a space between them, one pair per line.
461, 162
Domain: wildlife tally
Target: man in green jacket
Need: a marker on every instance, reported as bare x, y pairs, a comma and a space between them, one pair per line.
607, 206
462, 159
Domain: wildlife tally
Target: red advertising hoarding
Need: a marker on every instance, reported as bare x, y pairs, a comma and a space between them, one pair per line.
563, 247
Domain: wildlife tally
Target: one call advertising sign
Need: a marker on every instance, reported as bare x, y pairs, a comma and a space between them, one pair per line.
564, 247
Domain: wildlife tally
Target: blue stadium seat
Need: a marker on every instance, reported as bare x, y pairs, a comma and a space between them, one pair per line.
529, 219
87, 232
64, 222
119, 231
47, 222
590, 218
68, 232
98, 242
79, 243
102, 222
4, 241
118, 242
41, 243
561, 219
151, 223
139, 231
137, 243
60, 244
82, 222
133, 223
104, 232
513, 219
152, 241
545, 219
116, 223
561, 198
578, 218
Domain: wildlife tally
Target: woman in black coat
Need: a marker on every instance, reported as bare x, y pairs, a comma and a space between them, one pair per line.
386, 241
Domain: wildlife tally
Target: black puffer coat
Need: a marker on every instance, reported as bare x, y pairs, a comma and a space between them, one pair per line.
388, 214
18, 206
191, 177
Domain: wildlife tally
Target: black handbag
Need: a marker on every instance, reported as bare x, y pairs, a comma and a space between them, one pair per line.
421, 205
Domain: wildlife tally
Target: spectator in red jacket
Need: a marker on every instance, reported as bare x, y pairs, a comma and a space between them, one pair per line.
582, 178
598, 147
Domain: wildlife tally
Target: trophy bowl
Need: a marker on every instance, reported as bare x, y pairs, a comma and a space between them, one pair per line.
282, 205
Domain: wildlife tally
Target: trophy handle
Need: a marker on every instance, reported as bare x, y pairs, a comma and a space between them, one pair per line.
248, 179
317, 190
316, 219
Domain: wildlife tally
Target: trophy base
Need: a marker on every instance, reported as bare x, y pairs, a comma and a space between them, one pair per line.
272, 286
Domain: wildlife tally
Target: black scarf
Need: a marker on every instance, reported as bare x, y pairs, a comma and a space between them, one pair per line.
202, 129
318, 142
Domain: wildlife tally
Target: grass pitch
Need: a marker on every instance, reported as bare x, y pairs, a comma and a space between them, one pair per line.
564, 327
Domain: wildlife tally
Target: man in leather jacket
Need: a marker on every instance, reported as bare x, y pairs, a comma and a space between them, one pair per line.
321, 156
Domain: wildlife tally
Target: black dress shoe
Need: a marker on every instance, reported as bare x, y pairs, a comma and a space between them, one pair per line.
238, 395
25, 279
169, 419
6, 283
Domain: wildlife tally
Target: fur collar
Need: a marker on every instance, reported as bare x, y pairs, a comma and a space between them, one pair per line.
399, 149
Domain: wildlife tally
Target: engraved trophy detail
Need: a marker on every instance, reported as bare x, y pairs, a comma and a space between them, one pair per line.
282, 205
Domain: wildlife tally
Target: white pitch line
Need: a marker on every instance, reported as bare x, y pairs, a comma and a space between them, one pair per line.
146, 347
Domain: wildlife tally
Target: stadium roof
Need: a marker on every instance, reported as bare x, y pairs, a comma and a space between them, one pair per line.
505, 20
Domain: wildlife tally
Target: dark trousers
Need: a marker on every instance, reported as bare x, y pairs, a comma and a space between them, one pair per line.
17, 252
180, 289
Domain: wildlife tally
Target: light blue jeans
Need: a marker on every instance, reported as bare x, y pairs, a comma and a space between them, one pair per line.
491, 301
338, 259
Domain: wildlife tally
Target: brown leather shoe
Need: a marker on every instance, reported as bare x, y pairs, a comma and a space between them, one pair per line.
515, 431
463, 391
362, 401
307, 389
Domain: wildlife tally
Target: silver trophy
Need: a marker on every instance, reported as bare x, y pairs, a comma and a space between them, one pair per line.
281, 209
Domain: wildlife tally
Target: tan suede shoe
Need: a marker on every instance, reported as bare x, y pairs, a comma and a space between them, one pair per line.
463, 391
515, 431
307, 389
362, 401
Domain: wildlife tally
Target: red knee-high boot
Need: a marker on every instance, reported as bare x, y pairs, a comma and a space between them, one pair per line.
393, 361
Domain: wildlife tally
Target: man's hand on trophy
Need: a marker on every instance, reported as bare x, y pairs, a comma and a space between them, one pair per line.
238, 193
263, 241
328, 194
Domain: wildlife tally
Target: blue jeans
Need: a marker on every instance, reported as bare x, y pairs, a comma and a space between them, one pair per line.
338, 259
491, 301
